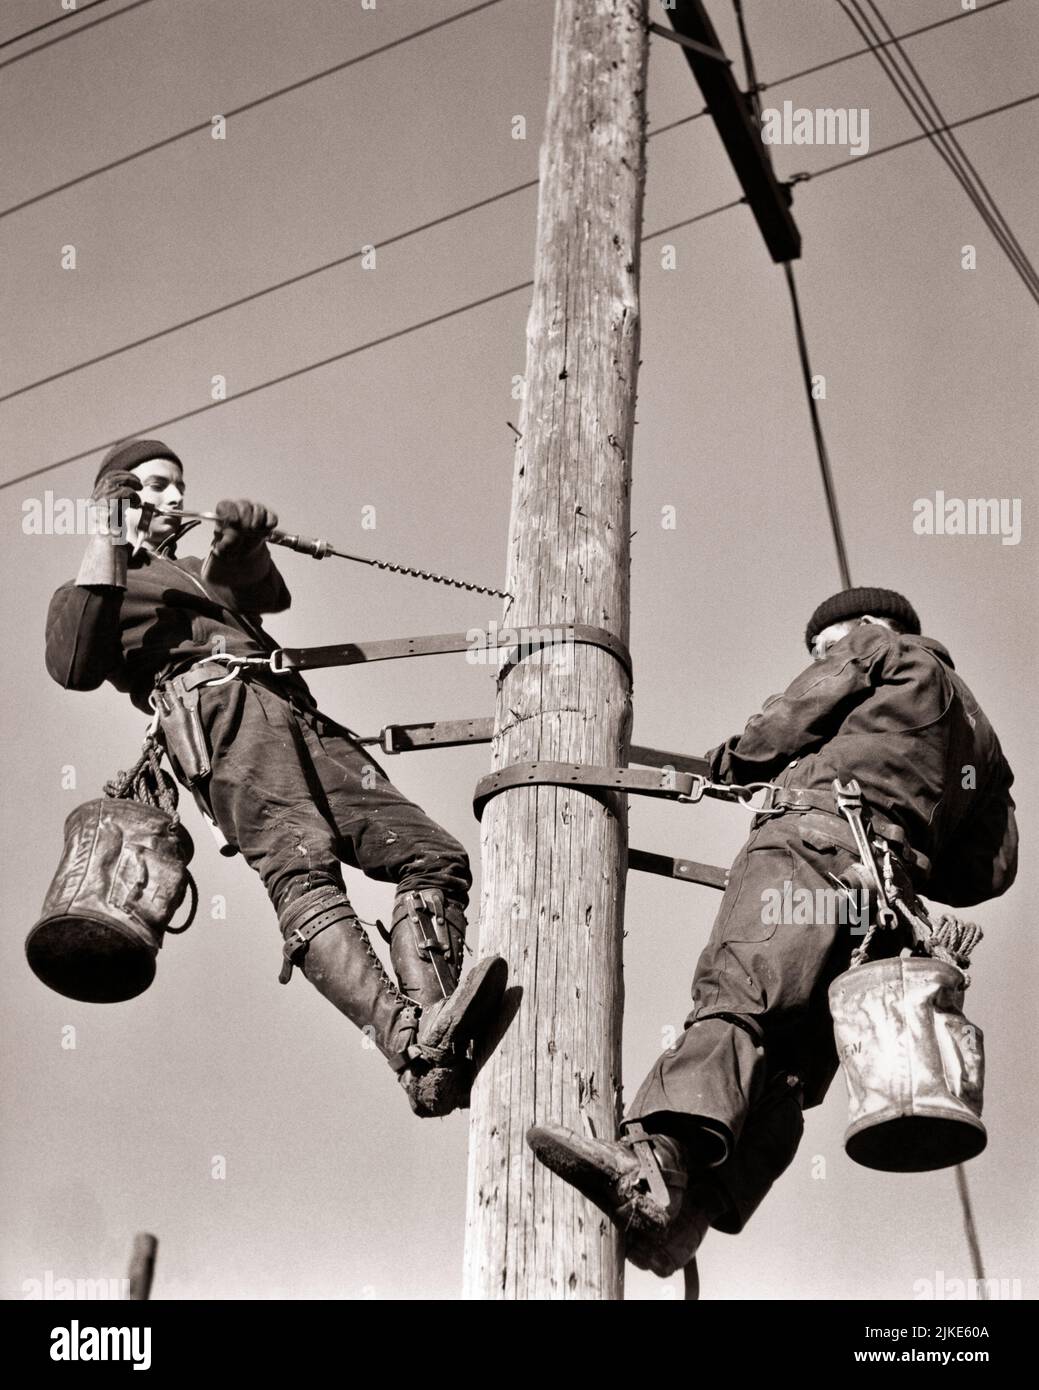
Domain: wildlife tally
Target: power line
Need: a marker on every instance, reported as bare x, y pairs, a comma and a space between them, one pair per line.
834, 62
911, 140
285, 376
246, 106
290, 280
820, 443
860, 52
195, 130
255, 295
341, 356
697, 217
924, 109
69, 14
474, 304
71, 34
1006, 239
682, 120
817, 431
954, 142
822, 453
949, 152
267, 289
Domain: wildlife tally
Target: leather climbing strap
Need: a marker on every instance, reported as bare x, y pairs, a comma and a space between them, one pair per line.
525, 640
450, 733
688, 870
665, 782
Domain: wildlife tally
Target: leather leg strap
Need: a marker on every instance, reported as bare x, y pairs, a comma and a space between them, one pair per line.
313, 921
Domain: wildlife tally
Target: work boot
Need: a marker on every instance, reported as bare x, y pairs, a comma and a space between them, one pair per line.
427, 939
326, 941
641, 1181
426, 943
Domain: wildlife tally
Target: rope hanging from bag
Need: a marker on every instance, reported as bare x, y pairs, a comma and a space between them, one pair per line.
146, 782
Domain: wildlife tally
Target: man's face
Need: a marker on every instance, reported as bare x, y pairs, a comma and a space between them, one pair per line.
828, 637
831, 635
162, 484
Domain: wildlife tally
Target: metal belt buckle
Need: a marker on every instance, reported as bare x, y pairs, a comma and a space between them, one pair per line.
696, 790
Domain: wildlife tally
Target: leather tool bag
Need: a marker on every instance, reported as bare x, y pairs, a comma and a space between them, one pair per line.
123, 874
914, 1065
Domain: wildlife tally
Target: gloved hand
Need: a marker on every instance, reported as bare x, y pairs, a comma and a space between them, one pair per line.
119, 484
112, 494
104, 562
242, 529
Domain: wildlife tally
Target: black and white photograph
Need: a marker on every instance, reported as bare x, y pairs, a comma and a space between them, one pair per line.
605, 875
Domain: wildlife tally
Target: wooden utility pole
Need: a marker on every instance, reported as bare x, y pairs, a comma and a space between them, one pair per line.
554, 859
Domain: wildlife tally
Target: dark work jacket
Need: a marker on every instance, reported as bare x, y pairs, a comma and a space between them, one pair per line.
891, 711
167, 617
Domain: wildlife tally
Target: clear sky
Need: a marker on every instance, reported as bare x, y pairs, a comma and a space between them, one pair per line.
332, 1188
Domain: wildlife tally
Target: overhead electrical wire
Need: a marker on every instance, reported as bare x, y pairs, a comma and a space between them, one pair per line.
838, 537
252, 105
448, 217
861, 52
912, 139
283, 377
48, 23
268, 289
924, 109
340, 356
486, 299
821, 451
206, 125
939, 117
67, 34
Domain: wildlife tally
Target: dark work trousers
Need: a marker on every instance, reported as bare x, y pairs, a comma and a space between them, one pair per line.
297, 795
759, 1042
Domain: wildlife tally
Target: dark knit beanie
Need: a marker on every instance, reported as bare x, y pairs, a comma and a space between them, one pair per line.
856, 603
132, 452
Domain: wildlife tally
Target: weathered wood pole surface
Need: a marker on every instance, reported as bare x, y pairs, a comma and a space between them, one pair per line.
554, 859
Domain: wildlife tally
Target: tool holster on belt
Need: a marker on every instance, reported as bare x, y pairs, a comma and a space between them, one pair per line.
176, 702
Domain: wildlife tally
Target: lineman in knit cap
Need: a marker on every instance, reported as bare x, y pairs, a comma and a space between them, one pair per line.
287, 786
720, 1112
